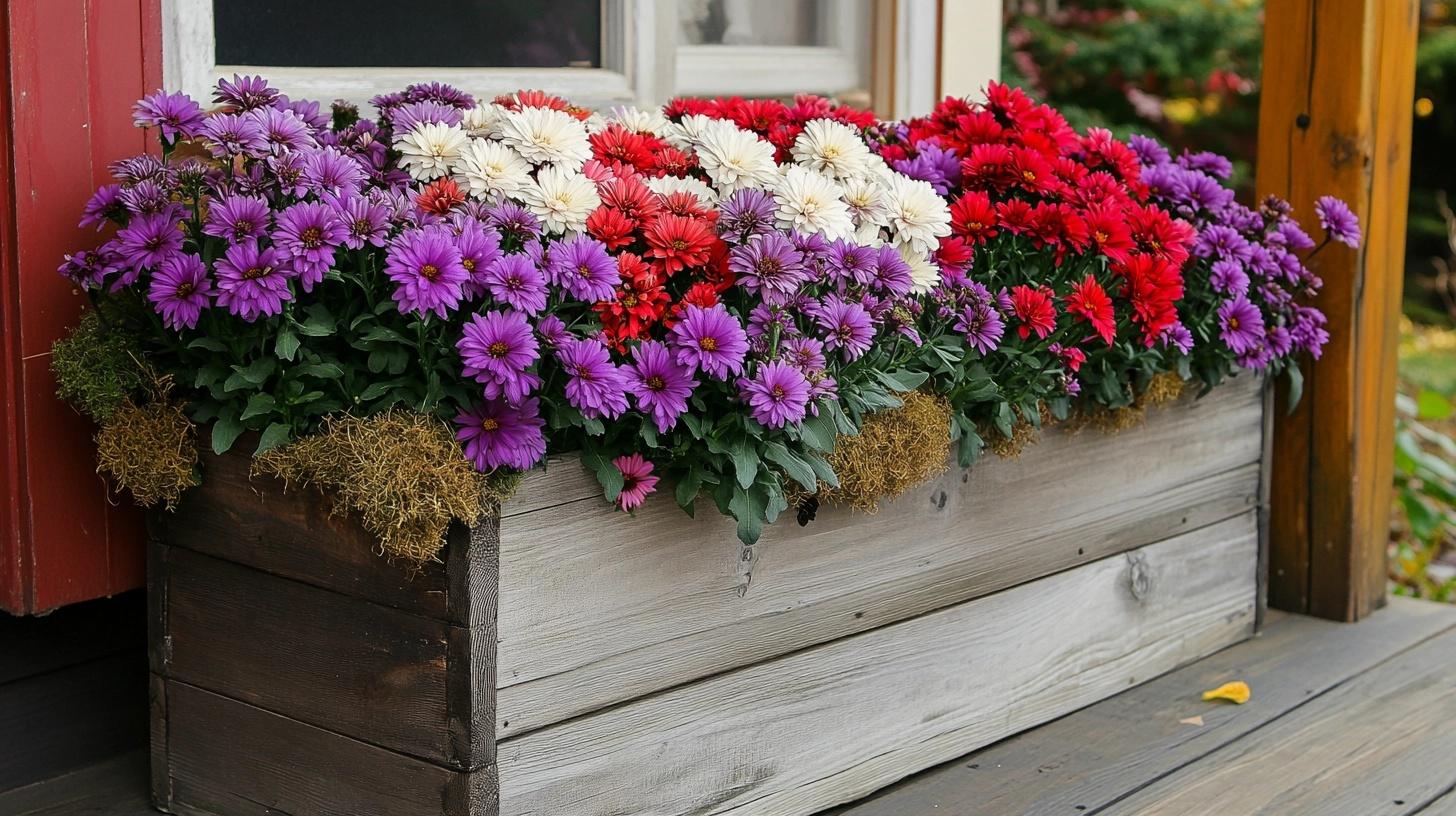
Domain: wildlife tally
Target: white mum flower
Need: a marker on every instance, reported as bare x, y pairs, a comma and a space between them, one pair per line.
667, 185
429, 150
546, 136
867, 202
735, 158
561, 198
484, 120
639, 120
811, 203
492, 168
918, 215
832, 148
924, 273
687, 133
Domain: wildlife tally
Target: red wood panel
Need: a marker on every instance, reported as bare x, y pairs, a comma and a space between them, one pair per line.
12, 577
76, 67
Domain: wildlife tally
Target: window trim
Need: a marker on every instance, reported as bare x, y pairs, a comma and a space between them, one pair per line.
767, 70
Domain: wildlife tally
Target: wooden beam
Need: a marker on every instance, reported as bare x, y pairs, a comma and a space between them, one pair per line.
1335, 119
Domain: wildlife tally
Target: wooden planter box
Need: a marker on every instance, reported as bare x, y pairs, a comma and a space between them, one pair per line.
568, 660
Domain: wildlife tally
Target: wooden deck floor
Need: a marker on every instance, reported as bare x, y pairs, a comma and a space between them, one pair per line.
1344, 721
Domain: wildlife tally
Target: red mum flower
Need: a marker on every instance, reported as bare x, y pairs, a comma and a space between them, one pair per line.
1101, 188
540, 99
630, 196
1014, 216
687, 106
618, 146
1057, 226
973, 128
688, 205
1159, 234
989, 167
1152, 286
954, 255
1035, 309
973, 217
1090, 302
1033, 172
701, 294
639, 305
669, 161
440, 196
679, 242
1007, 102
611, 227
1107, 227
757, 115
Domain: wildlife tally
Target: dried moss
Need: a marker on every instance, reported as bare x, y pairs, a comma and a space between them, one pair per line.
894, 451
401, 473
151, 450
97, 367
1023, 433
1165, 387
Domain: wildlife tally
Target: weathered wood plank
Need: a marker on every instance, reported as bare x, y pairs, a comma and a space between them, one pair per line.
1083, 762
1380, 744
561, 480
367, 671
114, 787
825, 725
650, 602
1444, 806
231, 757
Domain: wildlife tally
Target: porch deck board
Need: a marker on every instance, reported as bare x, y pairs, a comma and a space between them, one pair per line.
1345, 720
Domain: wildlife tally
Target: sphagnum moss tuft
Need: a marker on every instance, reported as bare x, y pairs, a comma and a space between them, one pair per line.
895, 450
151, 450
97, 367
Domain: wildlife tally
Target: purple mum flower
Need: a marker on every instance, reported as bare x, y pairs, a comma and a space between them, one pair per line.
405, 117
982, 327
246, 92
250, 281
1208, 162
514, 220
746, 213
497, 348
305, 109
175, 114
660, 385
237, 218
709, 340
1202, 191
551, 331
593, 384
768, 265
479, 248
848, 262
426, 266
497, 434
441, 92
515, 280
309, 232
891, 273
1308, 330
1225, 242
329, 170
1242, 325
231, 135
846, 324
103, 206
1177, 336
145, 197
1228, 277
582, 266
777, 395
282, 129
1289, 234
1279, 341
804, 353
288, 170
366, 221
1338, 221
150, 239
180, 290
1149, 151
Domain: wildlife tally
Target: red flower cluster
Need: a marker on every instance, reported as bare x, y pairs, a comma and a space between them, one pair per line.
776, 122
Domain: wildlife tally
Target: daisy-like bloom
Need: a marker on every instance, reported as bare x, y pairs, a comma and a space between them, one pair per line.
561, 198
982, 326
426, 266
282, 129
846, 325
1338, 220
497, 434
546, 136
924, 275
669, 185
1034, 309
679, 242
768, 265
309, 232
365, 220
492, 169
515, 221
231, 135
245, 92
250, 281
777, 395
832, 148
429, 151
148, 240
593, 385
709, 340
637, 480
734, 158
180, 290
918, 215
177, 115
865, 197
640, 120
145, 197
411, 114
1228, 276
479, 247
237, 218
582, 267
515, 281
1177, 336
497, 348
1090, 302
104, 206
1241, 325
660, 385
440, 196
849, 262
483, 121
331, 171
745, 214
810, 203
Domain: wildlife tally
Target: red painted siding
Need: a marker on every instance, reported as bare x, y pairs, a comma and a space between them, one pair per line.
74, 68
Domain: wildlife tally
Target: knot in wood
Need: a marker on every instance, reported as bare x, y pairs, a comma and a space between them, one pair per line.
1139, 575
939, 498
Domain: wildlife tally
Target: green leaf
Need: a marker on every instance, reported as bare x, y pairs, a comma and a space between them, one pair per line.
225, 432
818, 432
1296, 386
257, 372
747, 507
274, 435
607, 473
688, 487
1004, 419
798, 469
258, 404
208, 343
1432, 406
287, 345
327, 371
319, 323
901, 380
745, 462
822, 470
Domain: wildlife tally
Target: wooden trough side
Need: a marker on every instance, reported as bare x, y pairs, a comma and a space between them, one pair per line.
563, 658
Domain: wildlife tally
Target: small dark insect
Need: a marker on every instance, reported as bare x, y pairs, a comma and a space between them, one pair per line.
807, 510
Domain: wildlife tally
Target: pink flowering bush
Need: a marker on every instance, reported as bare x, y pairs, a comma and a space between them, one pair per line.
708, 294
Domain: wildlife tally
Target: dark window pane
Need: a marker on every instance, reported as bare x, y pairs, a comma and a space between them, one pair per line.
386, 33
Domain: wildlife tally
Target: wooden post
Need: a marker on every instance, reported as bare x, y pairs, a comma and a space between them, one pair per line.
1335, 119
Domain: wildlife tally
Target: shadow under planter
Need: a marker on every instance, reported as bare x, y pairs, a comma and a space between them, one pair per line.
564, 659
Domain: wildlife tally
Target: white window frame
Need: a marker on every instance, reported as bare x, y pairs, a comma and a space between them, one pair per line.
769, 70
630, 69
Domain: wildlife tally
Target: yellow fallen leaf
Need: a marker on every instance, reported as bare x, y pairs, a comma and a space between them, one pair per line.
1235, 692
1195, 720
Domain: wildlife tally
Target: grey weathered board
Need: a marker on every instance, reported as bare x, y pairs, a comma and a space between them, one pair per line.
574, 662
